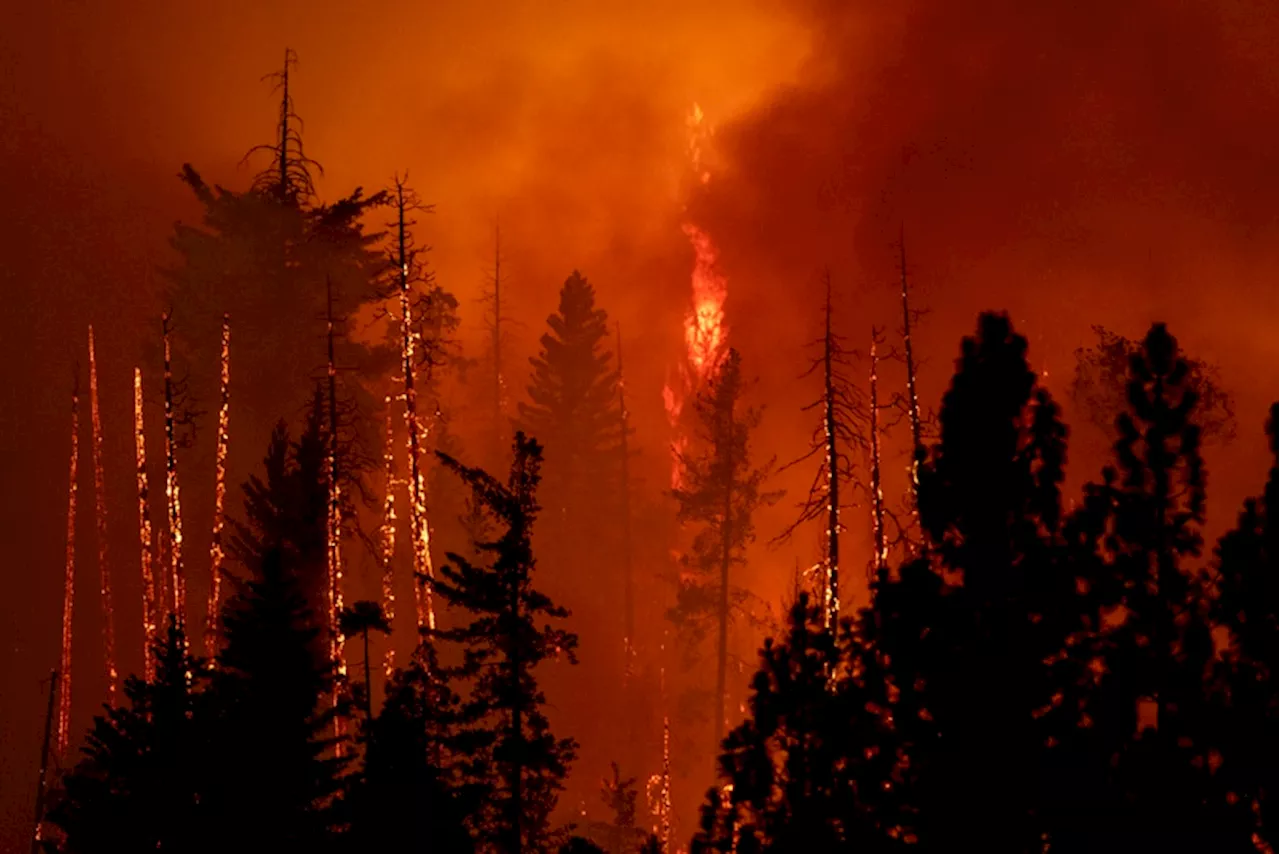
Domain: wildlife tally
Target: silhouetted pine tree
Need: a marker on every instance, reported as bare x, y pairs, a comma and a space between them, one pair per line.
1151, 728
263, 255
968, 630
142, 784
503, 645
791, 773
573, 410
276, 776
1246, 604
719, 495
619, 835
413, 794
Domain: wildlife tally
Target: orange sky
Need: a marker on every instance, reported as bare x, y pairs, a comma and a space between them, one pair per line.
1075, 163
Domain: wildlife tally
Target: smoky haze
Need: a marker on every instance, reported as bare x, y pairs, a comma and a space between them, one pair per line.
1075, 163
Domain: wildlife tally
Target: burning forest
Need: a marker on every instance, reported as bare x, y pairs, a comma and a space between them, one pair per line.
932, 509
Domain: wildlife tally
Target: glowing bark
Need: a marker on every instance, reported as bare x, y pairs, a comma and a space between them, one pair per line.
216, 551
172, 496
877, 492
69, 582
100, 512
389, 536
333, 527
150, 596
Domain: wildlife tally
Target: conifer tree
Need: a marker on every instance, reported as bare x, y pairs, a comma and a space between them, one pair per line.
573, 409
981, 618
275, 771
720, 494
503, 645
790, 773
414, 794
141, 785
1150, 741
620, 834
1246, 606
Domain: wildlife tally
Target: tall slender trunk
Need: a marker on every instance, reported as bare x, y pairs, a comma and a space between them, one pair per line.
423, 572
171, 486
151, 597
877, 490
389, 538
497, 340
42, 785
216, 552
913, 399
831, 595
515, 772
333, 527
100, 513
69, 578
628, 584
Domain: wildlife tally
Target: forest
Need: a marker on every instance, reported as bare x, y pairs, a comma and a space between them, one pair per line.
393, 589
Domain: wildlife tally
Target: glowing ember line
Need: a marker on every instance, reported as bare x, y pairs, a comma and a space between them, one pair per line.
150, 598
216, 553
877, 492
423, 571
389, 537
172, 494
69, 582
100, 508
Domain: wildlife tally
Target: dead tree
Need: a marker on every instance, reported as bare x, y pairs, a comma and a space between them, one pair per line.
909, 317
840, 427
288, 177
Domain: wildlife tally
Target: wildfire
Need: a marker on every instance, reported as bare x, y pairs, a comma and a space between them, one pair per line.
705, 331
171, 487
389, 536
216, 553
877, 491
100, 508
150, 599
423, 571
69, 582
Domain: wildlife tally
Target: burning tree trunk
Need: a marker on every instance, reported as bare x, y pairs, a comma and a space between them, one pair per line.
843, 413
100, 508
624, 486
69, 579
150, 598
880, 562
388, 536
333, 517
913, 400
172, 495
409, 271
216, 552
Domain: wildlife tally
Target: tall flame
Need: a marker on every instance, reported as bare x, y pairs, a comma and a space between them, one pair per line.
705, 331
150, 598
100, 508
69, 582
216, 552
174, 499
389, 536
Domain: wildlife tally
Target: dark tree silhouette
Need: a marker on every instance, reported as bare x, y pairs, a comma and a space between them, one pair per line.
720, 494
573, 409
1246, 605
142, 784
277, 771
413, 794
1100, 387
791, 774
620, 834
975, 618
360, 619
503, 645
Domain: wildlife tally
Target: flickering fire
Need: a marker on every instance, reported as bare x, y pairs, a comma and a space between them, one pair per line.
69, 583
389, 535
150, 597
100, 509
877, 491
179, 584
705, 331
216, 553
333, 526
423, 571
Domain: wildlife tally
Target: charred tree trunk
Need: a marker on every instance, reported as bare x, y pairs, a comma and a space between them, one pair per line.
831, 594
880, 562
628, 583
913, 399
